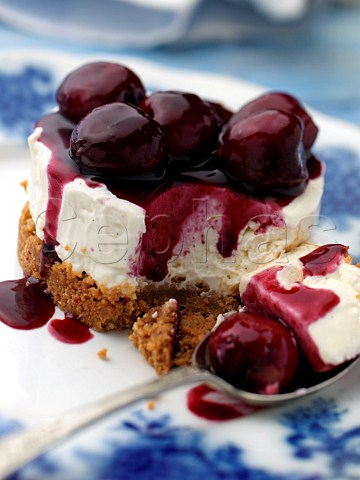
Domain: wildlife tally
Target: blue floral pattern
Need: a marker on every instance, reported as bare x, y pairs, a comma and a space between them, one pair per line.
25, 96
339, 206
317, 435
9, 425
342, 179
144, 446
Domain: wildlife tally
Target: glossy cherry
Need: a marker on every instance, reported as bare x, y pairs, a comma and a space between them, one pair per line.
221, 113
264, 151
95, 84
279, 101
254, 352
118, 140
189, 124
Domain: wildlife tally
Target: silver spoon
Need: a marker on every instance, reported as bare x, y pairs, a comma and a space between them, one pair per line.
20, 448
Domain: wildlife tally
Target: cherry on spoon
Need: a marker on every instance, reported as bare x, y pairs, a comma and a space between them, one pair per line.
20, 448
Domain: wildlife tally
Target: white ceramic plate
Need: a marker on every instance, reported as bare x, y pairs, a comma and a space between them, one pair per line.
318, 437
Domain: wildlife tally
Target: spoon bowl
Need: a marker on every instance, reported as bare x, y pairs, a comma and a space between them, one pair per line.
20, 448
295, 391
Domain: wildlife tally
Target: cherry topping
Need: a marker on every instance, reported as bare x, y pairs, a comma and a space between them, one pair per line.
96, 84
264, 151
221, 113
254, 352
119, 140
189, 124
279, 101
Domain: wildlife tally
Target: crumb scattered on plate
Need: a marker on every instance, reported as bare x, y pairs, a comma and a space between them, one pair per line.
103, 354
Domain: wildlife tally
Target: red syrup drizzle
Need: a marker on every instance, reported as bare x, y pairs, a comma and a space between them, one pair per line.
323, 260
69, 330
56, 132
24, 305
166, 214
169, 201
208, 403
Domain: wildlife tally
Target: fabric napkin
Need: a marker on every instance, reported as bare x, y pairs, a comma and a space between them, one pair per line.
151, 23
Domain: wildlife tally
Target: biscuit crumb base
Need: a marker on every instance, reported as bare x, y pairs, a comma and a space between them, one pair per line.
118, 308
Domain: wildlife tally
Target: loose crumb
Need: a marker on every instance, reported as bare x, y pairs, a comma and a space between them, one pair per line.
24, 184
103, 354
151, 404
348, 259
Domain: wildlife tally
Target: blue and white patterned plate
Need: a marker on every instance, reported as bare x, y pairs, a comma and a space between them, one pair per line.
315, 438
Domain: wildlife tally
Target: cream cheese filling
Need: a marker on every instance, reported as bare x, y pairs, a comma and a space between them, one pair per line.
99, 233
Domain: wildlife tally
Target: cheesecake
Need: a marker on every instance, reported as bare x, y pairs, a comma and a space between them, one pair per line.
163, 205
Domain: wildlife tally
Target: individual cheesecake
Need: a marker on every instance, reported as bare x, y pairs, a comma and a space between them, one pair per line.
135, 198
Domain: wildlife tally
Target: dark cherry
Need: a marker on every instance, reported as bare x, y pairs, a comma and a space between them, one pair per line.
96, 84
264, 151
118, 140
221, 113
189, 124
279, 101
254, 352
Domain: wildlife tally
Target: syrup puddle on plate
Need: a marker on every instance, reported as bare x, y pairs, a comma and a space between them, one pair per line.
69, 330
25, 305
211, 404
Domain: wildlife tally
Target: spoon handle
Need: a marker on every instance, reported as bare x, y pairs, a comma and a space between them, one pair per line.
20, 448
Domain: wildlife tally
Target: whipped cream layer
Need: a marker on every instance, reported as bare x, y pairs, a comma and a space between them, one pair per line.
316, 291
111, 237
